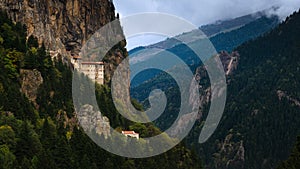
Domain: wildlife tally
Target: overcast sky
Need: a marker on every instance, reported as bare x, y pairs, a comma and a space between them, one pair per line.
199, 12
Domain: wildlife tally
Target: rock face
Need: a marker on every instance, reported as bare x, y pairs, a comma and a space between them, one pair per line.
231, 154
62, 25
282, 95
31, 81
92, 121
229, 61
65, 26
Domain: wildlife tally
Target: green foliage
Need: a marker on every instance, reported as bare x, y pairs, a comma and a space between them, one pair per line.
255, 114
7, 158
266, 124
293, 162
7, 136
229, 40
39, 136
13, 35
1, 40
30, 61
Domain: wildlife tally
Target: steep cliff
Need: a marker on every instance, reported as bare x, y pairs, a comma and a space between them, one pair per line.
62, 25
31, 81
65, 26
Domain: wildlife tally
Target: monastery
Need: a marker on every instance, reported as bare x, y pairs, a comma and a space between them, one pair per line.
94, 70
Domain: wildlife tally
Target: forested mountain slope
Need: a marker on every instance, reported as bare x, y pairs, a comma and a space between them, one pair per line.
227, 36
261, 119
294, 159
38, 128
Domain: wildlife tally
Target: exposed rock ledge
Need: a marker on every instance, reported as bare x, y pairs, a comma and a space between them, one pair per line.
63, 26
31, 81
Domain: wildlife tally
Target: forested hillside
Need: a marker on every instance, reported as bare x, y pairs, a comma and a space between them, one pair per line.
261, 119
293, 161
38, 128
230, 24
227, 41
224, 36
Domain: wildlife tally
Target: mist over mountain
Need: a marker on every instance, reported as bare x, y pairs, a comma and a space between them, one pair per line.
206, 12
225, 36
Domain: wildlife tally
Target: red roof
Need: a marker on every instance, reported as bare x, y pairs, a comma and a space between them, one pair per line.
129, 132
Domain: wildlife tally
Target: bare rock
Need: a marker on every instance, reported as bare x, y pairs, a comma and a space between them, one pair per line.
31, 81
93, 121
57, 22
231, 154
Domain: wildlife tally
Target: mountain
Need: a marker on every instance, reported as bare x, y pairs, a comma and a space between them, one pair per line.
230, 24
229, 40
214, 29
39, 126
259, 125
261, 120
225, 36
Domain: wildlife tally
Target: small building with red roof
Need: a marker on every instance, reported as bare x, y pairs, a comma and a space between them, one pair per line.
131, 134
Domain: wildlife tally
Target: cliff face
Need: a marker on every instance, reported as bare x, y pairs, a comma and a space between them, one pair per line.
31, 81
62, 25
65, 26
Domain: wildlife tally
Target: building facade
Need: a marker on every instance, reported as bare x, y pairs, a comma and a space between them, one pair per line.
94, 70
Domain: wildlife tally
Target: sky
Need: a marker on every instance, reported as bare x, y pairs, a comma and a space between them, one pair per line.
198, 12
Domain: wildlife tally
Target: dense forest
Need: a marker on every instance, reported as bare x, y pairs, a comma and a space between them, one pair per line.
293, 162
261, 120
227, 41
44, 133
262, 114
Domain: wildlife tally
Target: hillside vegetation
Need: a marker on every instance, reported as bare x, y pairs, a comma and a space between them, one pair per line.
41, 131
261, 119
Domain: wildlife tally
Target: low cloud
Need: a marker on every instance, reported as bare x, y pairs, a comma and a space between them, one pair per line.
201, 12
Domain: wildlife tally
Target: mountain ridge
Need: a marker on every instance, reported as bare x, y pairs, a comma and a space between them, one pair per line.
222, 42
261, 118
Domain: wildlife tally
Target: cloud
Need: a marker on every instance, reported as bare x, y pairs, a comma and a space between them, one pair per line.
285, 8
200, 12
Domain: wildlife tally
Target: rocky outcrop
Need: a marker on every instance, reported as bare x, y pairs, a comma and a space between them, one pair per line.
67, 122
282, 95
31, 81
229, 61
231, 153
92, 121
